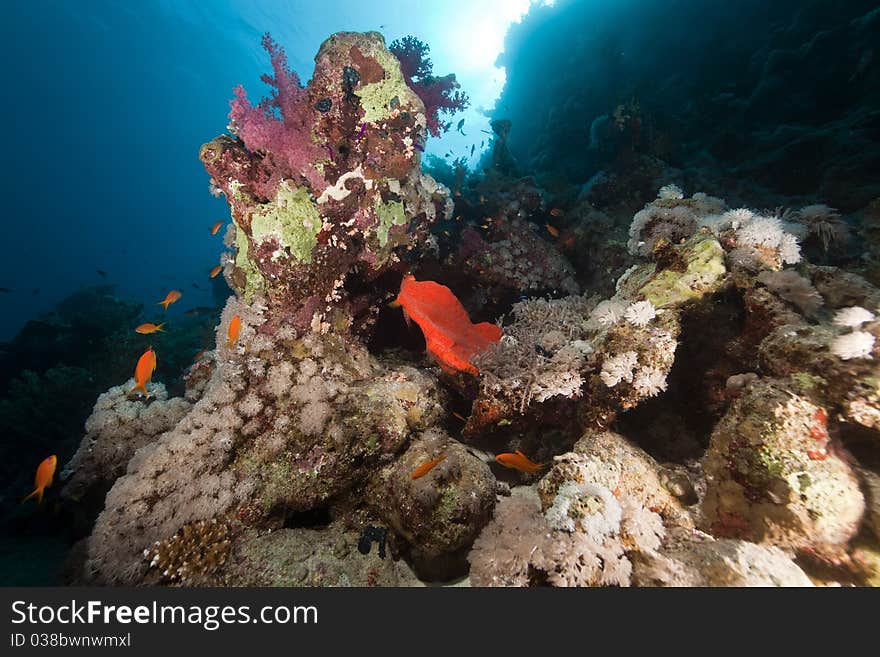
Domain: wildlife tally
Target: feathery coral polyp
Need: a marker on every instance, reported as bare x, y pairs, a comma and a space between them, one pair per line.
450, 336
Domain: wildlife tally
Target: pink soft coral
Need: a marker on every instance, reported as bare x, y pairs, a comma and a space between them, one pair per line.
439, 94
279, 125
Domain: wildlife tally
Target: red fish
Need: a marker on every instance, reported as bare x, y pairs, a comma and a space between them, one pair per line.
216, 227
519, 461
45, 472
450, 336
426, 467
216, 270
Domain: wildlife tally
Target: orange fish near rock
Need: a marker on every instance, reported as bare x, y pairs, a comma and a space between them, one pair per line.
426, 467
450, 337
45, 472
216, 271
519, 461
216, 227
143, 371
170, 298
234, 330
146, 329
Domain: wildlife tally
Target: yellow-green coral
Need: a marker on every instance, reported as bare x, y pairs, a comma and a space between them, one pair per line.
705, 269
254, 282
390, 214
376, 97
292, 219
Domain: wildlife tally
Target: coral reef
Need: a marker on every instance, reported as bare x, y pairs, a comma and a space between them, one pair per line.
317, 196
697, 407
440, 513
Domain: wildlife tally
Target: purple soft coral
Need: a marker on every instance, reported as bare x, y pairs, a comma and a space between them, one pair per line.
287, 138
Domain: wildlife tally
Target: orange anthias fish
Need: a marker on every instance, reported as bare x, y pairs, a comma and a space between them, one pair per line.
556, 212
216, 271
426, 467
170, 298
450, 336
234, 330
216, 227
146, 329
143, 371
519, 461
552, 230
45, 472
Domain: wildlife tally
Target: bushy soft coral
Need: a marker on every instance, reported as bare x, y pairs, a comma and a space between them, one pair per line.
439, 94
285, 134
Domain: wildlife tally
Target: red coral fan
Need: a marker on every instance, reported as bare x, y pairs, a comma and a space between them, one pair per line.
281, 124
439, 94
450, 336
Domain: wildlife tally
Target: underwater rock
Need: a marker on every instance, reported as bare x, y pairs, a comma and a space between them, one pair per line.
806, 353
608, 459
286, 423
775, 475
701, 561
440, 513
310, 557
871, 486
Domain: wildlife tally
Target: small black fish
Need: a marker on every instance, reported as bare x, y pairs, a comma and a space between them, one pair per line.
473, 146
197, 286
372, 533
101, 273
5, 290
459, 126
35, 291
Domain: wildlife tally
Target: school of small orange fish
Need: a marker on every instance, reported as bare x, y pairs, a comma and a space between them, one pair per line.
143, 373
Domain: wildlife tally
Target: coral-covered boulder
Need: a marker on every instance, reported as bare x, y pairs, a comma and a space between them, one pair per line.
775, 475
701, 561
325, 181
609, 459
116, 429
301, 556
441, 512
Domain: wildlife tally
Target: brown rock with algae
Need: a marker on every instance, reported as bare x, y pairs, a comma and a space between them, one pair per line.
774, 476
